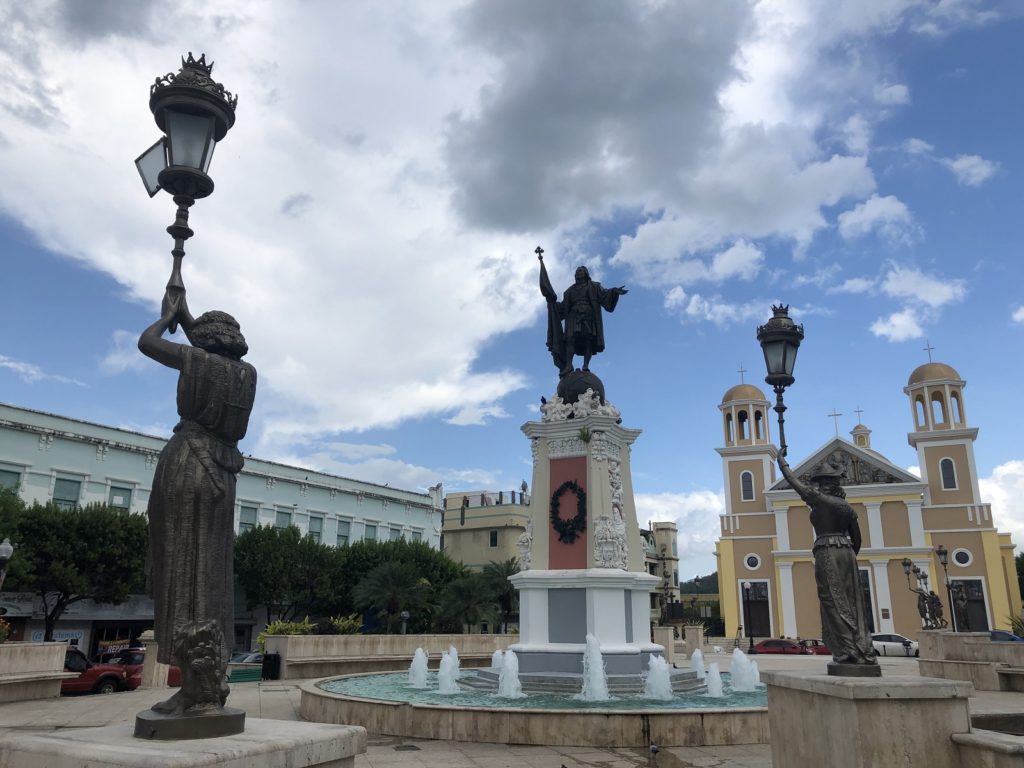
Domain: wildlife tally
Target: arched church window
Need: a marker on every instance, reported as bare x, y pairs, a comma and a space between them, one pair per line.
954, 401
919, 413
744, 426
938, 408
747, 486
759, 425
948, 471
730, 432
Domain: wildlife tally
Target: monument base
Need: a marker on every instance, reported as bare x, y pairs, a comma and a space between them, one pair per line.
195, 724
857, 722
837, 669
264, 744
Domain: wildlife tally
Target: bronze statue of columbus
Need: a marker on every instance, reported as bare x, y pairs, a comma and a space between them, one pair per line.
837, 542
580, 309
191, 507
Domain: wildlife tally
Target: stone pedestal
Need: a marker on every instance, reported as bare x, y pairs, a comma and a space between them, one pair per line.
896, 722
694, 636
665, 637
154, 674
264, 744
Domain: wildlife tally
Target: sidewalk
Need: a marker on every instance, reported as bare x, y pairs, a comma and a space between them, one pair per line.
279, 700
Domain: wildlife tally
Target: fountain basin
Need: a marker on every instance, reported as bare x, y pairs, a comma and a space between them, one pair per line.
697, 721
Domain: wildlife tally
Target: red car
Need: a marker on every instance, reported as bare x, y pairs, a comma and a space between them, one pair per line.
133, 659
788, 647
816, 647
92, 677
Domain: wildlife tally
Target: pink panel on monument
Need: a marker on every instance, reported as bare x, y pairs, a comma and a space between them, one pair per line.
560, 554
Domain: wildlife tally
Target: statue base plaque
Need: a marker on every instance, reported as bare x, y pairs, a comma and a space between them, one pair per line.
196, 724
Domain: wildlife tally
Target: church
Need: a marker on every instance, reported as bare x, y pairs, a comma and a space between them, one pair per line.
765, 565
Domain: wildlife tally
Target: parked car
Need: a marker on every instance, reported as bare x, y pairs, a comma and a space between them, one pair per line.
1002, 636
894, 645
789, 647
93, 677
815, 647
133, 660
247, 657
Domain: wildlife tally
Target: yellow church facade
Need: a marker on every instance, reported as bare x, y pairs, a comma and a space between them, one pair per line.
765, 566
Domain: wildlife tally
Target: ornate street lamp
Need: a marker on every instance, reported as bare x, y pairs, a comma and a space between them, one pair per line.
780, 339
6, 553
943, 555
194, 112
746, 615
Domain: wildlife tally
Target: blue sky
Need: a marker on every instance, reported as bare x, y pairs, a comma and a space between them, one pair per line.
394, 165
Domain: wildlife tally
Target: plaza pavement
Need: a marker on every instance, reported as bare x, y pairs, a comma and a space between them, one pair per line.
279, 700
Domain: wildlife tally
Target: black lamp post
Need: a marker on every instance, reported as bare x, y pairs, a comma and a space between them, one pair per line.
780, 339
194, 112
6, 553
943, 555
696, 587
746, 615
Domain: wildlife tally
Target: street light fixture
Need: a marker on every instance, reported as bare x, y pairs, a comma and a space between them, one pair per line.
943, 555
194, 112
780, 339
6, 553
746, 615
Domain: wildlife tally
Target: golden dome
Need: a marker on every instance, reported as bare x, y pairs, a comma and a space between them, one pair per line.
932, 372
743, 392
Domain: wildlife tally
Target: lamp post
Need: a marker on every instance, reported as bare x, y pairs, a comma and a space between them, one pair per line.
695, 599
194, 112
780, 339
943, 555
746, 615
6, 553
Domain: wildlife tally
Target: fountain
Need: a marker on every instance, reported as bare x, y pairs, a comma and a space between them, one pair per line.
744, 672
509, 686
714, 681
595, 677
448, 674
418, 669
496, 659
697, 663
658, 681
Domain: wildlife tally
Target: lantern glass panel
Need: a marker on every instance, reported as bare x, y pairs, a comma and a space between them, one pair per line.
790, 357
150, 163
191, 139
774, 355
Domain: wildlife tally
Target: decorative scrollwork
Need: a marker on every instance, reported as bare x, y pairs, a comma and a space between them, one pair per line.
195, 73
569, 530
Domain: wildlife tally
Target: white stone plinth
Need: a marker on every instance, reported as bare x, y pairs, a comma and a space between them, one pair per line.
858, 722
264, 744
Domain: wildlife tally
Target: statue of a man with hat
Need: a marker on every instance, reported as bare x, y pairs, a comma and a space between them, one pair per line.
837, 542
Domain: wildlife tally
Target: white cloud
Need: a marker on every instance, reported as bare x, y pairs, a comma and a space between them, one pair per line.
914, 285
696, 515
854, 285
1004, 489
124, 354
887, 216
918, 147
742, 260
899, 326
32, 374
893, 94
713, 309
478, 413
971, 170
857, 134
1018, 314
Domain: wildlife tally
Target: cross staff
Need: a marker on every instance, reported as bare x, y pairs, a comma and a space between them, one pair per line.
835, 417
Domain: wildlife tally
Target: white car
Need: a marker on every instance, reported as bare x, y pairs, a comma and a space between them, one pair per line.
894, 645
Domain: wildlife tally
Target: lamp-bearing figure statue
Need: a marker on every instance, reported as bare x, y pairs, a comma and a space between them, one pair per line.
580, 309
963, 623
191, 507
837, 542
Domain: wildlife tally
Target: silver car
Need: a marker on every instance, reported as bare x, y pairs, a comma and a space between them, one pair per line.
894, 645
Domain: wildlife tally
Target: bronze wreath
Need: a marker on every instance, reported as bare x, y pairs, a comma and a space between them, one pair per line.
569, 530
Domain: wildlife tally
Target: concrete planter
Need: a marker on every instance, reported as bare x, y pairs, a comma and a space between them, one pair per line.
31, 670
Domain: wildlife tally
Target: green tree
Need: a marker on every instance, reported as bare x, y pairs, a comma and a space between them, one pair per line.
467, 601
389, 589
67, 555
1019, 559
496, 574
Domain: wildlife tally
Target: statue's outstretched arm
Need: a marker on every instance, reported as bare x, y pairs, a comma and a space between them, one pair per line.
151, 342
806, 492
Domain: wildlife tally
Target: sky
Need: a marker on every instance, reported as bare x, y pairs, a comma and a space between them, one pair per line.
394, 165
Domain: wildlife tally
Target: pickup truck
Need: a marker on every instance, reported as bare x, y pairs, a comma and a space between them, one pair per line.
93, 677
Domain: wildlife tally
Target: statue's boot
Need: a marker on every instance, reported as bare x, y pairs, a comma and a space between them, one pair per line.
175, 705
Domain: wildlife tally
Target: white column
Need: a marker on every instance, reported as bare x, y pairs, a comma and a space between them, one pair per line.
788, 600
782, 529
916, 523
533, 616
874, 509
883, 598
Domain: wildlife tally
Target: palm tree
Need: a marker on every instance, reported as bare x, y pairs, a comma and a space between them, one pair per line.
389, 589
468, 600
496, 574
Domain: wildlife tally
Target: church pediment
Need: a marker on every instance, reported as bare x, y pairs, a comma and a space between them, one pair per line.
856, 466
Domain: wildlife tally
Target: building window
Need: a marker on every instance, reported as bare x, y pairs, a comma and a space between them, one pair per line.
948, 471
119, 498
247, 517
344, 527
370, 532
730, 434
744, 428
9, 479
282, 519
919, 413
66, 492
752, 561
962, 557
747, 486
759, 425
394, 534
316, 527
492, 539
958, 416
938, 408
416, 536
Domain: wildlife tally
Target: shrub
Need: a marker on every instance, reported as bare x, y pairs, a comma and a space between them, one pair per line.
339, 625
304, 627
5, 631
1017, 625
